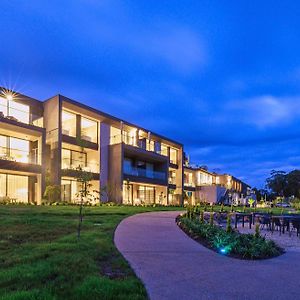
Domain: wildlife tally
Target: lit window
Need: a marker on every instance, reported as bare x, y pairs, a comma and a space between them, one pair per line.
89, 130
68, 122
173, 156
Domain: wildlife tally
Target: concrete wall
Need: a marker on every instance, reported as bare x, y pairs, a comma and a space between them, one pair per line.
52, 123
115, 173
104, 156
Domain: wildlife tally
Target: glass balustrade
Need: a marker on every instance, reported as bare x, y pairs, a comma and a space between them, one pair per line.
76, 164
144, 173
13, 113
17, 155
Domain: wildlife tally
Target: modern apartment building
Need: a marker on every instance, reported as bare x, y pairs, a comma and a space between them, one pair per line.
45, 142
51, 139
200, 185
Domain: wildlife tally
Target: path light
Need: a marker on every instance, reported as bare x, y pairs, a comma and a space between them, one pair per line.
223, 250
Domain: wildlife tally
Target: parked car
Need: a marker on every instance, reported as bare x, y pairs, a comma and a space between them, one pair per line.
283, 204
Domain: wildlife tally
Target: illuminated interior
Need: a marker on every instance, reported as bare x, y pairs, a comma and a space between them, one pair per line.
14, 187
173, 156
70, 189
68, 122
204, 178
89, 130
137, 194
14, 110
73, 159
188, 179
15, 149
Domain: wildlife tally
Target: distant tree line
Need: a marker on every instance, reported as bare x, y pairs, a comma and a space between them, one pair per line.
284, 184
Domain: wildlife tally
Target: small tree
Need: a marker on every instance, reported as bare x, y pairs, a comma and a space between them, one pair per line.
84, 193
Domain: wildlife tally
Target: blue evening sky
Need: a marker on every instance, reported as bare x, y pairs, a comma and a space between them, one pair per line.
222, 77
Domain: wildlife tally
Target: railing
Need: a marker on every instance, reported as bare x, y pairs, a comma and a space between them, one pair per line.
144, 173
17, 115
17, 155
76, 164
139, 143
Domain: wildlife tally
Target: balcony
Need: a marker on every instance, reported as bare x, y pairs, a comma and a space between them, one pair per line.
20, 156
18, 115
142, 143
74, 165
138, 172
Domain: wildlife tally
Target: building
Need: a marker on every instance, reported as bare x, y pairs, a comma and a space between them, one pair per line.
47, 143
200, 185
51, 139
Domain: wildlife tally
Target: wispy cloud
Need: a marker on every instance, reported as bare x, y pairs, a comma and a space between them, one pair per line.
266, 111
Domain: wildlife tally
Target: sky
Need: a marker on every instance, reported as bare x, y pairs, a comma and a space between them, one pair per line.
221, 77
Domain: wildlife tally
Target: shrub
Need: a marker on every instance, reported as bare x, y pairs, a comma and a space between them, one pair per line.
244, 246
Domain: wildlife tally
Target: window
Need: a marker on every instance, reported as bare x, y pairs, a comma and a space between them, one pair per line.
164, 150
68, 122
14, 110
69, 190
150, 145
73, 159
15, 149
89, 130
173, 156
15, 187
146, 194
19, 150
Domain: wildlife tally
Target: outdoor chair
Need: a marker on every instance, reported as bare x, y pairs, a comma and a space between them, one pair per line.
264, 221
296, 225
277, 224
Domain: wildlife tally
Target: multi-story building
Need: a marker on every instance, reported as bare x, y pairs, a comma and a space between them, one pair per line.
200, 185
54, 138
50, 142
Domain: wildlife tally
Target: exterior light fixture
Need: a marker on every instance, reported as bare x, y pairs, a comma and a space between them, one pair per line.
223, 250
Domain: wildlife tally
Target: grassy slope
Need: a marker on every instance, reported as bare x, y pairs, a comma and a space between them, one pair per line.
40, 257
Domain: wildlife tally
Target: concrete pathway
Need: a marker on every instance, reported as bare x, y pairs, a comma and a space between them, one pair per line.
173, 266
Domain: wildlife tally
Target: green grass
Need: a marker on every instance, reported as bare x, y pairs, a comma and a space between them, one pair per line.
41, 258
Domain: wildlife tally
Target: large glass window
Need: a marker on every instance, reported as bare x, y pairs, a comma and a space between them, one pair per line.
70, 190
146, 194
17, 188
68, 122
15, 149
14, 110
19, 150
89, 130
14, 187
73, 159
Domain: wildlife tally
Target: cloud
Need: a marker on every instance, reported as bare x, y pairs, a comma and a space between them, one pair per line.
266, 111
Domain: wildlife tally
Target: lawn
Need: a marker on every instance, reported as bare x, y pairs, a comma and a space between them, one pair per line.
41, 258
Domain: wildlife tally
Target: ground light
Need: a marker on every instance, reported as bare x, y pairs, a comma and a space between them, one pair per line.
223, 250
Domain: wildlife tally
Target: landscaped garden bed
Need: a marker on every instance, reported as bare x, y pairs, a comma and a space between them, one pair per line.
228, 241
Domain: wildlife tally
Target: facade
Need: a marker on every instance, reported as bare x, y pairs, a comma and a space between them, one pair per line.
46, 143
52, 139
200, 185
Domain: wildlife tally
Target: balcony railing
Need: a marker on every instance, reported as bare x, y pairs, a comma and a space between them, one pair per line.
138, 172
20, 116
17, 155
139, 143
76, 164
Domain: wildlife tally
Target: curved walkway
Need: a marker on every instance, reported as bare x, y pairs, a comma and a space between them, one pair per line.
173, 266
